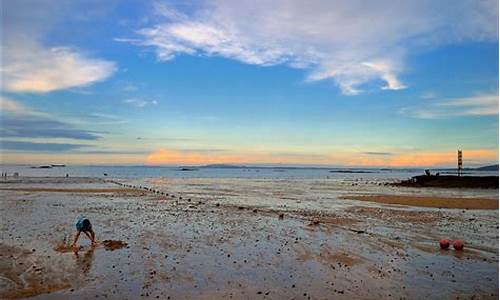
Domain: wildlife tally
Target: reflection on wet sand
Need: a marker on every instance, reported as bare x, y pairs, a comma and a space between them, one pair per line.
84, 262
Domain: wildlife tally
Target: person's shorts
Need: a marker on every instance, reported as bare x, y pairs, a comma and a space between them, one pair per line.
83, 225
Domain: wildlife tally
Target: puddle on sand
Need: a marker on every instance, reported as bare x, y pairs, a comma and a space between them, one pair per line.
111, 245
64, 248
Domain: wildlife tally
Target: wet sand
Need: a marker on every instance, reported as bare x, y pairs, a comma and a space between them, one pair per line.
206, 246
67, 190
437, 202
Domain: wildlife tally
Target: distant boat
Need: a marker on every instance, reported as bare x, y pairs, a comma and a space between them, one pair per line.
58, 165
189, 169
42, 167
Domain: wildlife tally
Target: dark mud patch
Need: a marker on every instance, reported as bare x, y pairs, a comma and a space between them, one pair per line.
112, 245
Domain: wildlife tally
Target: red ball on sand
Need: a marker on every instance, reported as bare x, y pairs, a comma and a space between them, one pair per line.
444, 244
458, 245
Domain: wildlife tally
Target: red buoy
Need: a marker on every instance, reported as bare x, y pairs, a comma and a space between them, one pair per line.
458, 245
444, 244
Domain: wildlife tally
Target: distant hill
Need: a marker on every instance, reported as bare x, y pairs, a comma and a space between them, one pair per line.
488, 168
223, 166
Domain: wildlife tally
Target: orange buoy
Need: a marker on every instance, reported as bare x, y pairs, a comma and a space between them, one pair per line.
458, 245
444, 244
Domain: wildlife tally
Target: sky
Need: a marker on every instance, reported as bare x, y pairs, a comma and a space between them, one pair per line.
339, 83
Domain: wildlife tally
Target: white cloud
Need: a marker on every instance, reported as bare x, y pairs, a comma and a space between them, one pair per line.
138, 102
8, 105
30, 67
20, 121
386, 71
480, 105
353, 42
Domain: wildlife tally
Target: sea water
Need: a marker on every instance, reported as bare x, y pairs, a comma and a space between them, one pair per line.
225, 172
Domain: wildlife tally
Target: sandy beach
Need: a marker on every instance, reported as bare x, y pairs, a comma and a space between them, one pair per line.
205, 241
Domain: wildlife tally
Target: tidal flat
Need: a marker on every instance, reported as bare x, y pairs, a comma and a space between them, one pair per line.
241, 239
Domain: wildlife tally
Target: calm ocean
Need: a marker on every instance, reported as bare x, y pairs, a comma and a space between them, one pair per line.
225, 172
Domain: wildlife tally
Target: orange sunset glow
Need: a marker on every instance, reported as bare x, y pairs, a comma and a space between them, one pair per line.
427, 159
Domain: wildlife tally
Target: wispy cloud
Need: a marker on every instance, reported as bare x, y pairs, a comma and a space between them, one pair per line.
44, 147
378, 153
20, 121
479, 105
351, 42
40, 127
106, 119
428, 95
9, 106
168, 139
139, 102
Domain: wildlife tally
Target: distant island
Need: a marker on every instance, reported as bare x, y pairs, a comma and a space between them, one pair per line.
341, 170
488, 168
352, 171
485, 168
223, 166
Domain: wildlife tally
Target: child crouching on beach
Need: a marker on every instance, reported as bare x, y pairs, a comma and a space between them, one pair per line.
84, 225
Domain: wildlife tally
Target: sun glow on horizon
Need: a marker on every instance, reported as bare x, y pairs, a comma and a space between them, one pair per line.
163, 156
425, 159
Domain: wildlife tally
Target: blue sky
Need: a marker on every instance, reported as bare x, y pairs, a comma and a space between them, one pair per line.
391, 83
